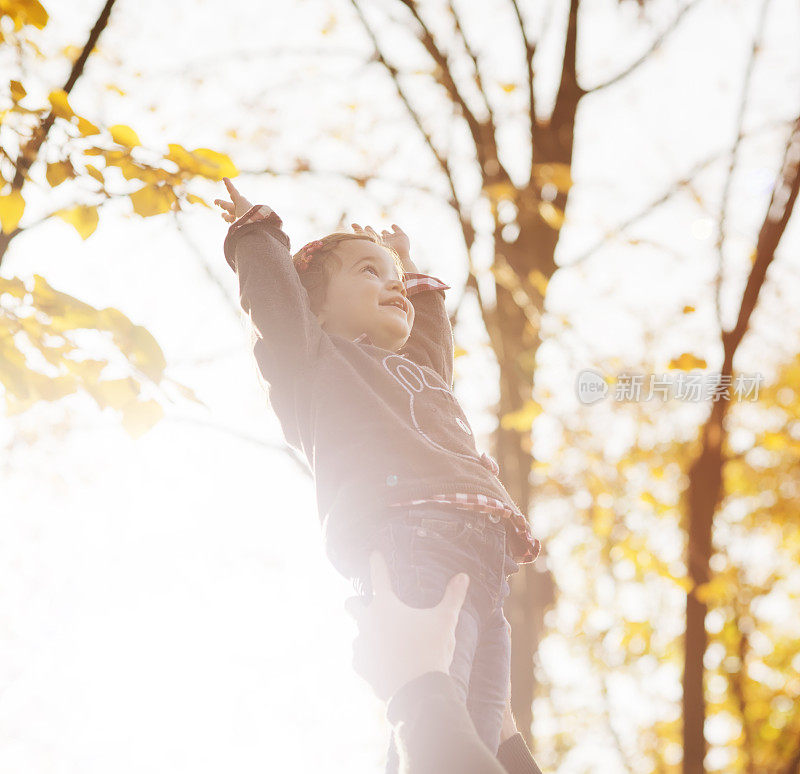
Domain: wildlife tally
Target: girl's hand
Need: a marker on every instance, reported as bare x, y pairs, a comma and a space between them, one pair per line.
396, 239
235, 209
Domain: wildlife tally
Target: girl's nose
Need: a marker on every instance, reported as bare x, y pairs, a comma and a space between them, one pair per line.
397, 284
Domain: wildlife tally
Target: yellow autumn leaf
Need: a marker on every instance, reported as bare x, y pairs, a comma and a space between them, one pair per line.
555, 174
86, 127
552, 215
11, 208
26, 12
603, 521
188, 392
60, 104
13, 370
330, 24
139, 417
116, 393
773, 441
538, 280
52, 388
150, 200
202, 161
192, 199
684, 582
459, 351
58, 172
686, 362
687, 309
145, 353
84, 218
522, 419
87, 370
95, 173
71, 52
713, 592
508, 87
17, 91
66, 311
499, 191
13, 286
124, 135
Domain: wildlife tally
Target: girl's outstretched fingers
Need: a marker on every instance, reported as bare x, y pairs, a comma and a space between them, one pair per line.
228, 215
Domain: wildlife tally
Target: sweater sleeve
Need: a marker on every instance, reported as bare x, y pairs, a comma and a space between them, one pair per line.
516, 757
286, 334
431, 340
434, 731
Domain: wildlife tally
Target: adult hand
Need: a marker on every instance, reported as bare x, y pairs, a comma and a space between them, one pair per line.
233, 209
397, 643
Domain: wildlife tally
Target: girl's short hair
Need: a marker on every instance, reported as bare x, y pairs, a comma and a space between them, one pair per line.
316, 273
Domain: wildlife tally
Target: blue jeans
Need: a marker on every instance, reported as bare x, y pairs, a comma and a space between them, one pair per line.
424, 547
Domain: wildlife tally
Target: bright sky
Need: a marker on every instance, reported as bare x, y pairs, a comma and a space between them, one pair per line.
167, 603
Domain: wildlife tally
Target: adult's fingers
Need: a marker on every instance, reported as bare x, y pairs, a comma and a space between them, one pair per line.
455, 594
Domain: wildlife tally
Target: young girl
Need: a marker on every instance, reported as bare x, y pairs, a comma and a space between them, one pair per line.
356, 350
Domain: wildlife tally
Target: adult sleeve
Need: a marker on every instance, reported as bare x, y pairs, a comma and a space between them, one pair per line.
434, 732
516, 757
431, 340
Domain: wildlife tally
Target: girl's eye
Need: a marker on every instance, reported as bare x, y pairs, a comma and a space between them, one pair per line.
372, 268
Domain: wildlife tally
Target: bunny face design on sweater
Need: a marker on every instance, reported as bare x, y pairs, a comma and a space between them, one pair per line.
431, 402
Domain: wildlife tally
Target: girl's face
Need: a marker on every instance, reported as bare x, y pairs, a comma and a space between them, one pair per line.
360, 295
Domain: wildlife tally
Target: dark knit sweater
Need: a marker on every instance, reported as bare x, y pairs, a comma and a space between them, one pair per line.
376, 426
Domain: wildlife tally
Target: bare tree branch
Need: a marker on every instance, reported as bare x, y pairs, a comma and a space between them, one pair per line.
781, 204
678, 186
723, 212
657, 43
530, 51
483, 135
30, 150
474, 57
569, 92
204, 265
415, 117
360, 180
